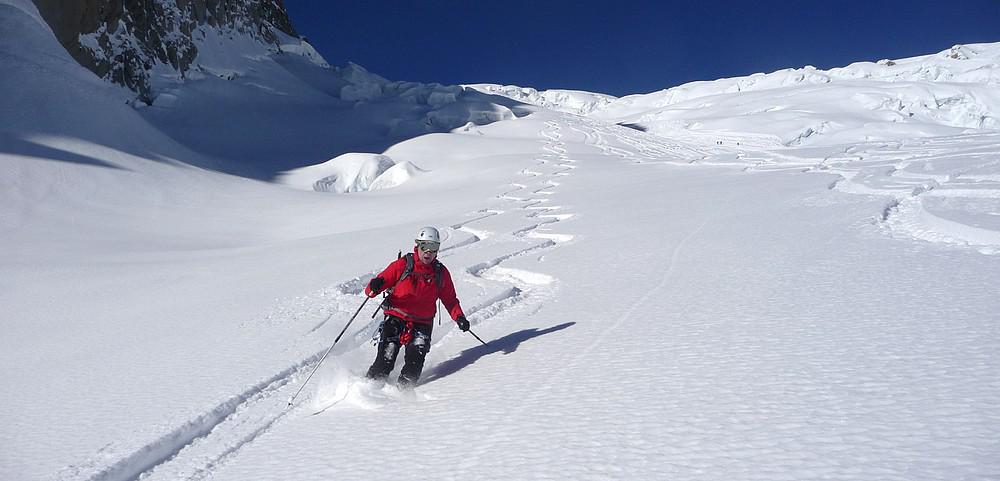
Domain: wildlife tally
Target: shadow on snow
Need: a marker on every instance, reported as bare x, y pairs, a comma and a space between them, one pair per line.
507, 344
15, 145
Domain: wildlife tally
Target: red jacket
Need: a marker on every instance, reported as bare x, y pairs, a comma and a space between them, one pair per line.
415, 300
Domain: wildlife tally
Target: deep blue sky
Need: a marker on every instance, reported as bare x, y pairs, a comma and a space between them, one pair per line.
628, 46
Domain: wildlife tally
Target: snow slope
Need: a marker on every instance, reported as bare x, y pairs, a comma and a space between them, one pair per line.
732, 325
293, 113
950, 92
655, 307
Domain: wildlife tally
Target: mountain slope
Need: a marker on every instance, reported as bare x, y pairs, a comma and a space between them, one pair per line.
127, 42
193, 65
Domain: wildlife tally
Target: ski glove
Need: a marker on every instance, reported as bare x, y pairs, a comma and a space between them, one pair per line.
376, 285
463, 323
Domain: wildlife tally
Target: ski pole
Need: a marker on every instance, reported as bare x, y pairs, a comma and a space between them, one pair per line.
342, 331
477, 338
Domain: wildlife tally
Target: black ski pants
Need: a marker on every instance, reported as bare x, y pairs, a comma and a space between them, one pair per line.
388, 350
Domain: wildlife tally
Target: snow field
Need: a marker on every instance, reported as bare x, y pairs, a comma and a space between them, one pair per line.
620, 358
637, 368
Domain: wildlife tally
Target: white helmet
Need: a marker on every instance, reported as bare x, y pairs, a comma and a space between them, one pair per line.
428, 234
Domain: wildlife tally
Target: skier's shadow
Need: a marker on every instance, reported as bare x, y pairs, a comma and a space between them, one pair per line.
507, 344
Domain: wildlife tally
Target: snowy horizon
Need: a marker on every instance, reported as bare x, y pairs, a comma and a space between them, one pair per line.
777, 276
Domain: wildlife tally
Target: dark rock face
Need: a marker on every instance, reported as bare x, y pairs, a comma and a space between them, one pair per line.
121, 40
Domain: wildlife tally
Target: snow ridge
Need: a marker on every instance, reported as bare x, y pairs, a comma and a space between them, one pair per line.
941, 94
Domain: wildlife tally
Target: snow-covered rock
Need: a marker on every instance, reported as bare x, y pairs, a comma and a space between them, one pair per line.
128, 44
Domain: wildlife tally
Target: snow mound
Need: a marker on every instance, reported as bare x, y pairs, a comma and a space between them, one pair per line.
351, 172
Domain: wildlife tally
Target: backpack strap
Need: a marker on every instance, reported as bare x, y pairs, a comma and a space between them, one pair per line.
439, 273
408, 269
406, 273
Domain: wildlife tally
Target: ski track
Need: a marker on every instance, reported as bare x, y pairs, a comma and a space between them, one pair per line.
645, 148
527, 205
195, 449
921, 179
920, 182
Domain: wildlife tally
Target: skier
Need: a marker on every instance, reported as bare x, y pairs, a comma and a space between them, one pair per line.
414, 284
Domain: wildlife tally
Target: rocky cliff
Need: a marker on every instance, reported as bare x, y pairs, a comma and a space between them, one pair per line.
125, 40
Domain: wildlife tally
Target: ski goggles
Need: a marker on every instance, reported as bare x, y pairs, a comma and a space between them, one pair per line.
428, 246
